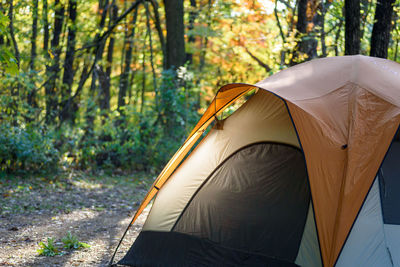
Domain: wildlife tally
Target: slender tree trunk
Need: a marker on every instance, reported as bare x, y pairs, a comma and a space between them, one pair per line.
46, 35
143, 82
381, 31
151, 55
324, 7
175, 46
32, 93
124, 78
69, 72
337, 37
308, 19
160, 33
1, 35
352, 27
105, 92
191, 39
34, 34
282, 34
98, 54
11, 28
15, 88
204, 41
104, 6
54, 69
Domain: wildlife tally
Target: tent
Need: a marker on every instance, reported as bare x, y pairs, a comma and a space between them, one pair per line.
305, 173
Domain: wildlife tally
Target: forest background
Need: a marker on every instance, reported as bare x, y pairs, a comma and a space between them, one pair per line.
117, 84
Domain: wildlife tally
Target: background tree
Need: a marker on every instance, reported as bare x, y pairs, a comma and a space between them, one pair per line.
352, 27
118, 84
381, 31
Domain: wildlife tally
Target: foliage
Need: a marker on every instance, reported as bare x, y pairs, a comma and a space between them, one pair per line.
71, 242
7, 59
114, 106
49, 249
141, 141
26, 149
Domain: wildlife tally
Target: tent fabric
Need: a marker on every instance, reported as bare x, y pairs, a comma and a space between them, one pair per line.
256, 201
178, 249
309, 254
345, 112
274, 125
390, 185
334, 133
366, 244
392, 240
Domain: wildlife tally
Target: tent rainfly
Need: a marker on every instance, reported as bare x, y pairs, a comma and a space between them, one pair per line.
305, 173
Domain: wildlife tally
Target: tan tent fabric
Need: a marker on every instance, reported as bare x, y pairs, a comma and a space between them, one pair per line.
346, 111
223, 99
272, 124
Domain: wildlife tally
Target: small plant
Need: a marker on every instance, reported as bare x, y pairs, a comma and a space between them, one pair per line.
71, 242
48, 249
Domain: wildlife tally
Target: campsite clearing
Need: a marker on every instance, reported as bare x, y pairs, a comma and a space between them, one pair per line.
96, 209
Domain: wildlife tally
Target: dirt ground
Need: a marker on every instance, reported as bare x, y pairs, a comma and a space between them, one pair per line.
94, 209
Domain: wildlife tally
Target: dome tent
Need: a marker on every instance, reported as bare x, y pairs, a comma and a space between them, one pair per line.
303, 174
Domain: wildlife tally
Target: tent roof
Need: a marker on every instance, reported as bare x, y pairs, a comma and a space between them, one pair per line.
321, 76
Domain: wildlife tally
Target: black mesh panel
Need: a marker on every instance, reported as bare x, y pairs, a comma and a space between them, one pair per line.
256, 201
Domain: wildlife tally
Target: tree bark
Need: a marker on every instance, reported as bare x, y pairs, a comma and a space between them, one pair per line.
352, 27
160, 33
32, 93
105, 92
68, 77
175, 46
381, 31
191, 39
46, 35
307, 44
124, 78
11, 28
54, 69
34, 34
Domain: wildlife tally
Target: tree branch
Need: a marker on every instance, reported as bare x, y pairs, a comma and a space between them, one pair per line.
262, 64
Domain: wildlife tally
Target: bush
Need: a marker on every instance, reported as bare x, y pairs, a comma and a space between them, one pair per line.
26, 149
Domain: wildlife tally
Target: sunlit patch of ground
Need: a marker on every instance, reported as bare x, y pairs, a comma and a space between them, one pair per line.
95, 209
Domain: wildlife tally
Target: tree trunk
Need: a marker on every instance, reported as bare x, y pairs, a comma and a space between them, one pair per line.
352, 27
54, 69
68, 78
46, 35
12, 34
381, 32
191, 39
175, 47
124, 78
32, 93
307, 44
105, 92
159, 32
98, 54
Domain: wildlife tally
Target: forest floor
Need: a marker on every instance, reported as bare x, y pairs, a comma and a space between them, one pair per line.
95, 209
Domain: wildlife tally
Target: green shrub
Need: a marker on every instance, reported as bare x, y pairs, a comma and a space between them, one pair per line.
26, 149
